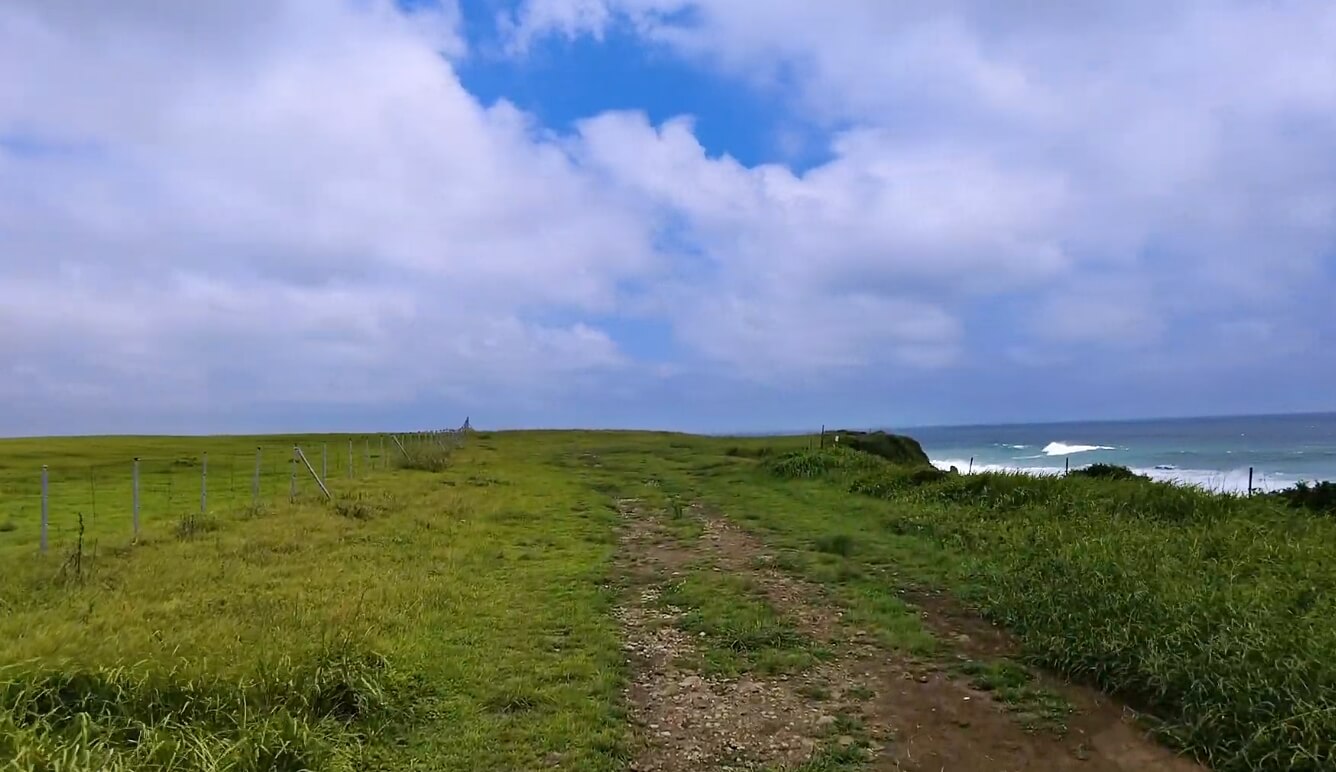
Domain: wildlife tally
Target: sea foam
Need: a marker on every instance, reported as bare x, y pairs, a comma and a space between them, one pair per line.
1064, 449
1214, 480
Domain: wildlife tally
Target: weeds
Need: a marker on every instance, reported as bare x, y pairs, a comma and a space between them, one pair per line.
195, 524
425, 458
361, 506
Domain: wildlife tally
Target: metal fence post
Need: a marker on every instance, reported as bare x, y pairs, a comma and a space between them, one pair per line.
134, 484
255, 481
45, 518
292, 487
204, 485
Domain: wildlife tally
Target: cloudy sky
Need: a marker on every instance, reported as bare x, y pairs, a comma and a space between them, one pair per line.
235, 215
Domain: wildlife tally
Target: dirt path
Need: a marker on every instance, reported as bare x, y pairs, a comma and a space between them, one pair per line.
862, 703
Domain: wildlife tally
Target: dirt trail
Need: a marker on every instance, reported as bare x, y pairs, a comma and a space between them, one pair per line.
909, 714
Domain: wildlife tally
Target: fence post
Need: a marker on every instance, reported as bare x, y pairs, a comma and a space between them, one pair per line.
324, 460
204, 485
971, 471
255, 481
1250, 488
45, 513
292, 485
134, 484
1067, 465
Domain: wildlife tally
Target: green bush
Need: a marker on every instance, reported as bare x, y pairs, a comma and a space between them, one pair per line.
1319, 497
1108, 472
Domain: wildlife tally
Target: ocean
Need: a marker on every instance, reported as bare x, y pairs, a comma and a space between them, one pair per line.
1213, 453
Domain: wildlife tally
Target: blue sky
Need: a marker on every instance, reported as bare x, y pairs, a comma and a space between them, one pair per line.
711, 215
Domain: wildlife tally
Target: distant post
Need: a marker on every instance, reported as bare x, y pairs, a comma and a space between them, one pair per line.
134, 498
823, 436
204, 484
382, 451
971, 471
1250, 476
255, 481
350, 459
292, 483
1067, 465
45, 518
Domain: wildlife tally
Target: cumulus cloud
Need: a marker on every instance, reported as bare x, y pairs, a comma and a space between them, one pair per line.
286, 202
235, 203
1183, 153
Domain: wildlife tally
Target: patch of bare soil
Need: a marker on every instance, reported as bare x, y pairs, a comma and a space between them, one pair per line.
913, 715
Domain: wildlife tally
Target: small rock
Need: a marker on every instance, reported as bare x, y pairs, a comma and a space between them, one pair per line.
825, 721
1081, 752
691, 682
923, 679
845, 741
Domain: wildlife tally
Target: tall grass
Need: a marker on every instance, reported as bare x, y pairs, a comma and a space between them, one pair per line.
287, 716
1215, 613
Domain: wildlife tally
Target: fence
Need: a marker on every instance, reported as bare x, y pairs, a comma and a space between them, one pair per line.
49, 499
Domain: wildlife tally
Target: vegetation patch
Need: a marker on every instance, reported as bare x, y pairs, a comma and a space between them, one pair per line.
285, 717
1214, 612
742, 631
1319, 497
1108, 472
1014, 686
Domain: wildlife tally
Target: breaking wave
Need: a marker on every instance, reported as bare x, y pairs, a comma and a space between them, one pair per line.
1063, 449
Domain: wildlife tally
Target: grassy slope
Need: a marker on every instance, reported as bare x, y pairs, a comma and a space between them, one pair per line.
484, 589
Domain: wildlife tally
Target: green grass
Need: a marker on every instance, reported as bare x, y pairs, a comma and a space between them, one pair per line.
1013, 685
1214, 612
466, 613
740, 630
418, 621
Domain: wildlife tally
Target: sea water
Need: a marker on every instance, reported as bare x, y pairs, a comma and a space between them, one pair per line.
1213, 453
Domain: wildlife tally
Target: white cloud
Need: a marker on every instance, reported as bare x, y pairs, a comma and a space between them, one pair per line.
285, 202
1183, 151
237, 202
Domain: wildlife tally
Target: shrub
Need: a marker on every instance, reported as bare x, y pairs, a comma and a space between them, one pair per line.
1108, 472
1319, 497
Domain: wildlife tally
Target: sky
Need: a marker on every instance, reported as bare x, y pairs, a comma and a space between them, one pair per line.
705, 215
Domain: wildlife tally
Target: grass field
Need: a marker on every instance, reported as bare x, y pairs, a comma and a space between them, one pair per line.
464, 619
